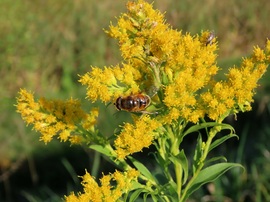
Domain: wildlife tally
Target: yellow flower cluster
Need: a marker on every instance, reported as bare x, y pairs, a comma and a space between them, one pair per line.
113, 186
52, 117
141, 31
179, 67
236, 92
110, 83
134, 137
189, 69
177, 71
157, 57
180, 64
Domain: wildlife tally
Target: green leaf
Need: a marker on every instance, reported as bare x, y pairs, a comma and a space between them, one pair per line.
143, 170
136, 194
219, 141
171, 188
154, 198
205, 125
101, 149
209, 174
218, 158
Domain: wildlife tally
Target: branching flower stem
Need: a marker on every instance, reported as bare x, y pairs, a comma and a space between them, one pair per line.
212, 133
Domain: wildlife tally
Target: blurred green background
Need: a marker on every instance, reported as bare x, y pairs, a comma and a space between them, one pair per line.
44, 45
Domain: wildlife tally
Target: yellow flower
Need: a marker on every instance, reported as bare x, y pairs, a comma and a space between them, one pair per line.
182, 64
137, 29
51, 117
259, 55
76, 139
133, 138
236, 92
113, 186
91, 189
90, 120
110, 83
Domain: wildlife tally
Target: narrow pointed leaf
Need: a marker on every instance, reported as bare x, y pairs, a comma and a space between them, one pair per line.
210, 174
218, 158
143, 170
198, 127
135, 195
101, 149
219, 141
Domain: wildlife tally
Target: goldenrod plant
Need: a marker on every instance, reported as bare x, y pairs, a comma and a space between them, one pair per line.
167, 81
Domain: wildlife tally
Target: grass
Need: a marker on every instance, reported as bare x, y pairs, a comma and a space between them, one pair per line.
44, 45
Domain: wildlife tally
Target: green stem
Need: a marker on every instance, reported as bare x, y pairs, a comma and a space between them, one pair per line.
96, 164
177, 166
178, 174
190, 182
212, 134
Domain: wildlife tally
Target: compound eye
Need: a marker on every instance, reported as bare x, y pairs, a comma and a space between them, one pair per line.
143, 101
118, 103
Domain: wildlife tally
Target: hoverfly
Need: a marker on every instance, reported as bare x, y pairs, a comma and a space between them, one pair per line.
133, 103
